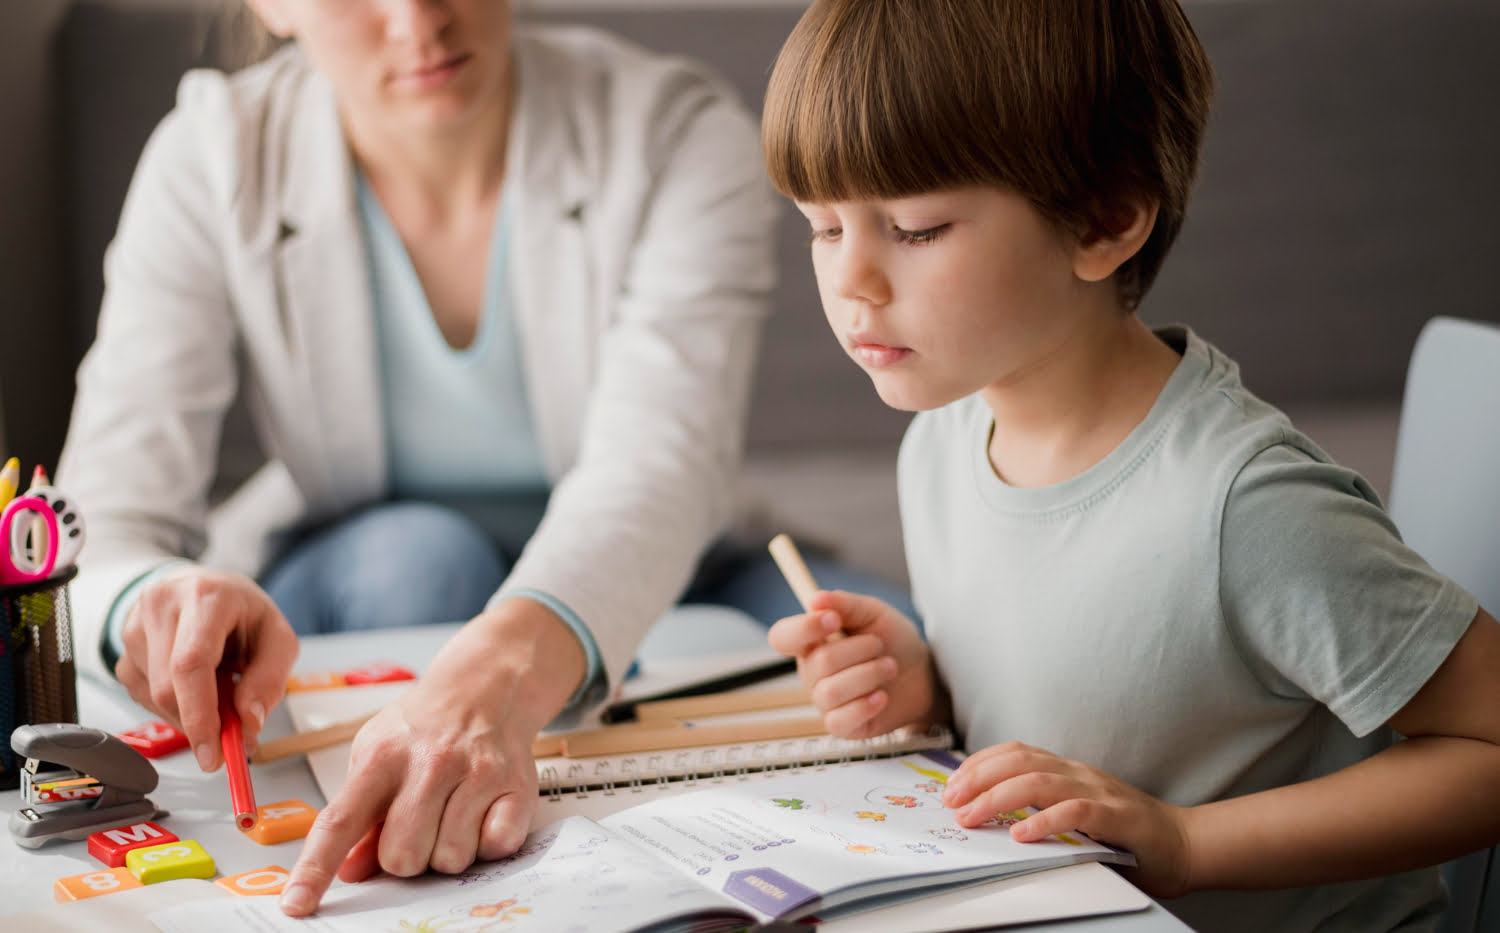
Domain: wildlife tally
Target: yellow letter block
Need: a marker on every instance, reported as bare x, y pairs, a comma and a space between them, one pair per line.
169, 861
268, 880
93, 884
288, 819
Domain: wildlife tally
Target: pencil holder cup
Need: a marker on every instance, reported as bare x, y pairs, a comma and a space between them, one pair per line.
37, 674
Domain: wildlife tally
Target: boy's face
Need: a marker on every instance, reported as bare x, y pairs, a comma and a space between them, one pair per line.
941, 295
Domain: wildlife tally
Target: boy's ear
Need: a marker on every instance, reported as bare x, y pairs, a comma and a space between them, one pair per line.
273, 16
1098, 256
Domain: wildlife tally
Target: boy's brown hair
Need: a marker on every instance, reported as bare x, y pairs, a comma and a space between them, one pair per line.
1086, 107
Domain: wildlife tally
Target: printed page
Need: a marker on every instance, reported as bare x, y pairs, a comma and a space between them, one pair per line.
570, 877
813, 839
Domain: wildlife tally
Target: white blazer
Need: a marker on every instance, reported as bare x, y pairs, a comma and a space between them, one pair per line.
642, 270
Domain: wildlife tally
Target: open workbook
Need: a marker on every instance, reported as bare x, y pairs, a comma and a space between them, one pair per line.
770, 846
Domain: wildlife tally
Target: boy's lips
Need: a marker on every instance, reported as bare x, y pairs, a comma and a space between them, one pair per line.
872, 352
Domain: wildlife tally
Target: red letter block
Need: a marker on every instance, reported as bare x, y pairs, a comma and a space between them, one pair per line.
155, 739
380, 672
110, 845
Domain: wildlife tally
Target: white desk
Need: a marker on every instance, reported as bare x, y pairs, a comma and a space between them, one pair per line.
199, 803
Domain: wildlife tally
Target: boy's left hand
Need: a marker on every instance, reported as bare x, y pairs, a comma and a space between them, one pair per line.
1071, 796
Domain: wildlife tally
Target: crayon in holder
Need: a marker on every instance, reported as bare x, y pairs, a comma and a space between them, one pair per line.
37, 672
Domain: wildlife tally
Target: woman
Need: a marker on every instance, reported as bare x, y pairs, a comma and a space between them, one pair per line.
485, 288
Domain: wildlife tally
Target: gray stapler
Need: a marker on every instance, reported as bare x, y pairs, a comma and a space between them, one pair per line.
77, 781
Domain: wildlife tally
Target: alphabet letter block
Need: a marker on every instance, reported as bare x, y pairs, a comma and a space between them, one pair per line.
314, 680
155, 739
268, 880
184, 858
288, 819
380, 672
93, 884
111, 845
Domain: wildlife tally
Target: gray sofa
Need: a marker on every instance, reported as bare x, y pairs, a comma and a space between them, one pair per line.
1348, 194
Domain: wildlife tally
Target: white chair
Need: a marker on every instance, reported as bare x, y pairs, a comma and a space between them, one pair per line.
1445, 499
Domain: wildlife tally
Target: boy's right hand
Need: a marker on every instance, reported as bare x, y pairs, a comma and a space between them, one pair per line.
177, 634
876, 678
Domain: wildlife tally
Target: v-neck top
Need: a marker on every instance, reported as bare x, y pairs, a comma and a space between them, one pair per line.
457, 420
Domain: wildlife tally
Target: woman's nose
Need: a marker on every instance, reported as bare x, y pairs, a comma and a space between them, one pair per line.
416, 20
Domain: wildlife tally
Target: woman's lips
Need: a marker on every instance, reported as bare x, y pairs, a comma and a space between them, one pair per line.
433, 76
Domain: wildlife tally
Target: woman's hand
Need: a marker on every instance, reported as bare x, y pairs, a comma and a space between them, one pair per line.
875, 678
445, 776
178, 633
1071, 796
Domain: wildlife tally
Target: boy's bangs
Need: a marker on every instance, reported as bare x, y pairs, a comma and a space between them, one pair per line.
854, 110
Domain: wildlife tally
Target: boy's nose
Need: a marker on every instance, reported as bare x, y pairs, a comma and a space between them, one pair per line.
859, 276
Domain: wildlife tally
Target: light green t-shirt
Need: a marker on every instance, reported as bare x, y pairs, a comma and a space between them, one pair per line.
1213, 609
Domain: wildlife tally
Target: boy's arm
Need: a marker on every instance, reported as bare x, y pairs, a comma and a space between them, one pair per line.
1423, 801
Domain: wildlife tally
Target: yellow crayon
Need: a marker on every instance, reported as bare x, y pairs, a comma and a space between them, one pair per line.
10, 481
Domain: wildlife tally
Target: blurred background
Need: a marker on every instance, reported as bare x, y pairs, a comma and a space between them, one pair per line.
1349, 192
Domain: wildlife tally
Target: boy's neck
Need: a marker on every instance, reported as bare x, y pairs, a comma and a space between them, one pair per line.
1067, 417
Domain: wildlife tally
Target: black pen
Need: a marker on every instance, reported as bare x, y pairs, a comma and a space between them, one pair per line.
624, 711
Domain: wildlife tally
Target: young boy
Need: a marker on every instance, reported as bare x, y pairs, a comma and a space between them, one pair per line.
1156, 611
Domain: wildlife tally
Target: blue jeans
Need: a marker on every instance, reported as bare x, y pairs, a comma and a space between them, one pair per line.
414, 563
390, 565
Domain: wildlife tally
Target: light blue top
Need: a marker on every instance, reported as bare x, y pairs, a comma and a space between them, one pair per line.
456, 419
1211, 610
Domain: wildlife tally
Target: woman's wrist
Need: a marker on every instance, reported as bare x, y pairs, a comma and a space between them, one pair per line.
519, 653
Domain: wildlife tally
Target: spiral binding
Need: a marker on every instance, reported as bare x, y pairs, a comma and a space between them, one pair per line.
638, 774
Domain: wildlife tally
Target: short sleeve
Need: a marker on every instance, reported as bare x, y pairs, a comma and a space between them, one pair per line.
1323, 598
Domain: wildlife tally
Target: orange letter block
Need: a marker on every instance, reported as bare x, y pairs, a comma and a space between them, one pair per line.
93, 884
288, 819
268, 880
314, 680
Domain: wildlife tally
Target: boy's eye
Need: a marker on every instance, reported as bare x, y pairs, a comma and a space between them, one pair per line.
829, 233
920, 237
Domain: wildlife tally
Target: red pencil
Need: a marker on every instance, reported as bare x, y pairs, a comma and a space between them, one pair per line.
232, 737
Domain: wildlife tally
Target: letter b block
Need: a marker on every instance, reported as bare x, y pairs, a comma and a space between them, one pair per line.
111, 845
184, 858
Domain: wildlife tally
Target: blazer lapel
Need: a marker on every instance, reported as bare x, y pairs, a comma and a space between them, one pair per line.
337, 455
552, 256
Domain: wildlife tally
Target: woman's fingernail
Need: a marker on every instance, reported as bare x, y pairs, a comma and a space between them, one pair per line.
830, 621
257, 713
889, 666
296, 900
205, 756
